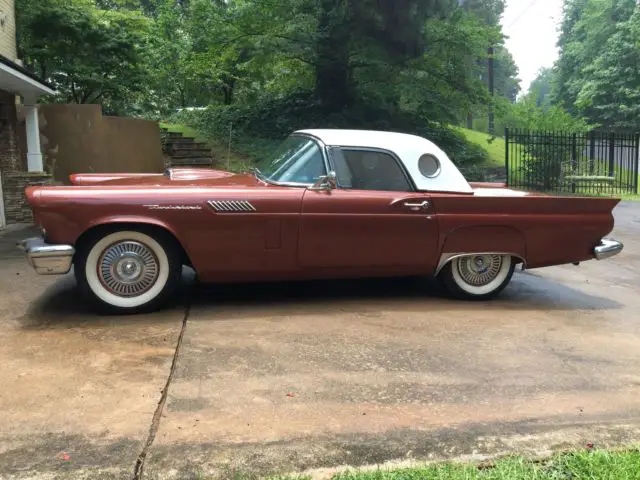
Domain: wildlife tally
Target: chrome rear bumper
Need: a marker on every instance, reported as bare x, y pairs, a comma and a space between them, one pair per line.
607, 248
47, 259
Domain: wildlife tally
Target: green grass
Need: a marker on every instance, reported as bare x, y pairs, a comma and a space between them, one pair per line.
186, 131
496, 149
582, 465
587, 464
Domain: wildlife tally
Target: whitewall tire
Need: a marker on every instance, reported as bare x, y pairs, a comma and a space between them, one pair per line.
129, 270
478, 276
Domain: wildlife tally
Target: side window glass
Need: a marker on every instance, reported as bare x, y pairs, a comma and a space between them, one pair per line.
343, 172
306, 166
370, 170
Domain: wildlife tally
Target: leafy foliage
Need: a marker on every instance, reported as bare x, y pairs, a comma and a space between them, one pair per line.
252, 128
543, 158
597, 73
611, 92
528, 115
541, 87
88, 55
270, 67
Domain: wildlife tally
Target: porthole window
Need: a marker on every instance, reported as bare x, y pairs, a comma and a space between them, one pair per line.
429, 165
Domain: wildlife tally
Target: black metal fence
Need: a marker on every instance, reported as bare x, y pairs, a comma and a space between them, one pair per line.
567, 162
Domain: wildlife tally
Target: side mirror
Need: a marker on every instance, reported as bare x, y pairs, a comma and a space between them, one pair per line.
325, 183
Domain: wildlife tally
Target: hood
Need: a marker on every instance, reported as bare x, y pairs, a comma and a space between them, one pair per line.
187, 176
181, 173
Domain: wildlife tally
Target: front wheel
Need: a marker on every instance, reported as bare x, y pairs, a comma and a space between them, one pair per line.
128, 271
477, 276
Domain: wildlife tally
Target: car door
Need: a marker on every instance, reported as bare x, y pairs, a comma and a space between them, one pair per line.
373, 220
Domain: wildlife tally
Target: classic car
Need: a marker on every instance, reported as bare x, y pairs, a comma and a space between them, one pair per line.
329, 203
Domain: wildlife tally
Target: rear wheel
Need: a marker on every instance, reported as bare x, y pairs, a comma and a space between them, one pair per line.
128, 271
477, 276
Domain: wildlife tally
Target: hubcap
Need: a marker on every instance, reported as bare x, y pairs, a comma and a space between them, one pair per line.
128, 269
479, 270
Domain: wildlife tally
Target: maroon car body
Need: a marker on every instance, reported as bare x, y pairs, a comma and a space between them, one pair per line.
325, 223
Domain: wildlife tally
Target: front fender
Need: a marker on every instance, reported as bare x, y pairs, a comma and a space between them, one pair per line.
137, 219
62, 230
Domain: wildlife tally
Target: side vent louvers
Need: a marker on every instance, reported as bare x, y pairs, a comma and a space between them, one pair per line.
230, 206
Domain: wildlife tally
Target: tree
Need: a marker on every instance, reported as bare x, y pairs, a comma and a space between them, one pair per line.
589, 79
383, 57
505, 71
610, 93
541, 86
365, 34
444, 82
238, 48
489, 11
88, 55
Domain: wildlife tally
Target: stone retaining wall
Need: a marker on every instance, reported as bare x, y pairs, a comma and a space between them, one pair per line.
15, 203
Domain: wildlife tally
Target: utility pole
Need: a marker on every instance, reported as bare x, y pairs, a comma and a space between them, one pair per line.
491, 90
470, 112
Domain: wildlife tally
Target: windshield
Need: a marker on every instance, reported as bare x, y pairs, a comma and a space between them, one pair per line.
296, 160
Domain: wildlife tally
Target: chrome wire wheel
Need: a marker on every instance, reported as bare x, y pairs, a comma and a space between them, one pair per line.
478, 275
128, 268
479, 270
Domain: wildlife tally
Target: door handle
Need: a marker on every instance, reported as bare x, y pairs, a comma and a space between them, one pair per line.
416, 207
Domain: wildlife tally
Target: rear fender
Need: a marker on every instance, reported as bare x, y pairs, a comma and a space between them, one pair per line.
482, 239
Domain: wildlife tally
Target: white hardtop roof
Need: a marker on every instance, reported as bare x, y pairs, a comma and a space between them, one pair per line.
409, 148
366, 138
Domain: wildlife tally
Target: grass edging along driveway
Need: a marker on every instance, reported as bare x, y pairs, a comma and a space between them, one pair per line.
592, 464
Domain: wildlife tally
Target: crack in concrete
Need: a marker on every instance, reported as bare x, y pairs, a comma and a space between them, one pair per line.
157, 415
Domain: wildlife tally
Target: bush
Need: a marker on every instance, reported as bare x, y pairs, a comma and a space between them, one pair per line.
254, 127
527, 115
544, 160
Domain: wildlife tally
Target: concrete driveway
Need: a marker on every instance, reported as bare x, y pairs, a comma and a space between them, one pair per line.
280, 378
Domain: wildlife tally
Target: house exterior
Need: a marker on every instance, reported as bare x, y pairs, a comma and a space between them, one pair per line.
18, 85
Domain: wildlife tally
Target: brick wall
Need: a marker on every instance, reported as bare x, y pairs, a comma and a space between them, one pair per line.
13, 165
16, 209
8, 31
10, 158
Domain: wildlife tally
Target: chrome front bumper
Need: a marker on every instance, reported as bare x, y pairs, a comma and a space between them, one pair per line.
607, 248
47, 259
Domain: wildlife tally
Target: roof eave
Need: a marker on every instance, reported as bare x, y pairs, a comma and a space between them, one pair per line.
21, 81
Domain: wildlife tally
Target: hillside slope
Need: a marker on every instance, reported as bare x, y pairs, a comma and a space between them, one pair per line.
495, 149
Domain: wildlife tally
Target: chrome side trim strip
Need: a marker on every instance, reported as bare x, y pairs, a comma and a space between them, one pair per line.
447, 257
607, 248
173, 207
228, 206
47, 259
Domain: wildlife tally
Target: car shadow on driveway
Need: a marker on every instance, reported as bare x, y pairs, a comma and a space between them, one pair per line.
60, 306
526, 292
